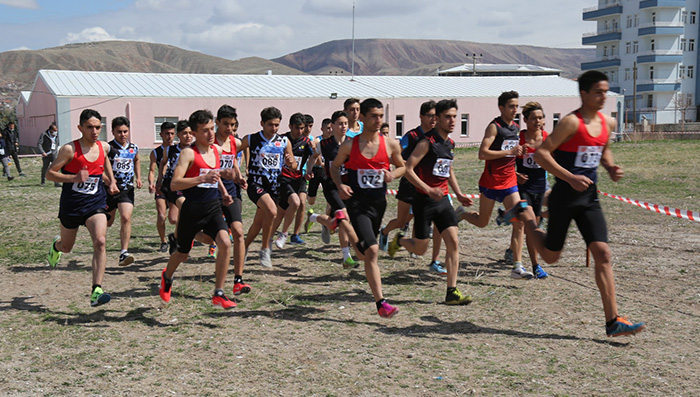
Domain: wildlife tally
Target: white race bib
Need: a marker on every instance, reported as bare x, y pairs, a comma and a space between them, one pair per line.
270, 161
2, 151
88, 187
123, 164
588, 156
204, 171
370, 179
226, 161
529, 160
509, 144
442, 168
298, 160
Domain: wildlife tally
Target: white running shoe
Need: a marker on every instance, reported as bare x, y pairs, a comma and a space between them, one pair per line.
520, 272
265, 260
281, 239
325, 235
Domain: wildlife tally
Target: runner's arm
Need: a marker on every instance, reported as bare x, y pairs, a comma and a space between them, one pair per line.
344, 190
137, 170
485, 153
396, 160
564, 131
607, 160
152, 166
64, 156
108, 173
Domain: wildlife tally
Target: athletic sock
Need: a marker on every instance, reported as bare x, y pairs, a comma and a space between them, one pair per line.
122, 252
517, 265
312, 217
218, 292
379, 303
346, 252
237, 279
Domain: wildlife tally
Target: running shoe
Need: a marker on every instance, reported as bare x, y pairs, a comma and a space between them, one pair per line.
339, 216
508, 257
125, 259
511, 215
281, 240
459, 211
350, 263
163, 247
165, 288
54, 256
499, 218
308, 223
539, 272
383, 240
394, 247
212, 251
240, 288
222, 301
295, 239
99, 297
265, 260
172, 243
456, 298
520, 272
623, 326
387, 311
325, 235
435, 267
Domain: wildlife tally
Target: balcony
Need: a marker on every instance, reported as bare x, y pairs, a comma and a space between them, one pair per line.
660, 56
658, 85
661, 28
593, 13
661, 3
602, 36
602, 63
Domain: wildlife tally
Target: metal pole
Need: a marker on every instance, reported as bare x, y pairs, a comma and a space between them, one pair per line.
634, 97
352, 68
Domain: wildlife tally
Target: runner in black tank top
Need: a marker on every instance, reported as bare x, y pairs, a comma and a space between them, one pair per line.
167, 134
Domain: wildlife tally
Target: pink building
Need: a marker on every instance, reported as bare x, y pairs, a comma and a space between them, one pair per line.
148, 99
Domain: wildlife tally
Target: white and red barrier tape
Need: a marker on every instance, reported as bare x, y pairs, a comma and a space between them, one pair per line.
395, 192
660, 209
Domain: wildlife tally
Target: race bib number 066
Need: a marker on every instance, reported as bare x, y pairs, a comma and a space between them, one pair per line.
509, 144
588, 156
370, 179
442, 168
270, 161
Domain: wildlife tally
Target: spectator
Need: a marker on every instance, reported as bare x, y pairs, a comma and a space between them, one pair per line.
47, 148
12, 142
4, 153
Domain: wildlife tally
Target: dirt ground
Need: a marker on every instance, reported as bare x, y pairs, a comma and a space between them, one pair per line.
309, 327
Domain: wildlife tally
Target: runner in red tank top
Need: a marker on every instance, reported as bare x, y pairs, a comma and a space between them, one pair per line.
367, 158
80, 166
499, 148
197, 174
574, 195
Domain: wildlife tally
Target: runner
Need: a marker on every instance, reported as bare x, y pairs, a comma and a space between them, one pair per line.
123, 156
329, 149
292, 182
197, 175
268, 152
407, 191
319, 171
498, 182
532, 179
80, 167
367, 158
167, 135
429, 169
226, 124
351, 106
578, 144
303, 195
175, 198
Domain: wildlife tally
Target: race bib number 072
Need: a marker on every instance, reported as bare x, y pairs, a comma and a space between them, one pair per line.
370, 179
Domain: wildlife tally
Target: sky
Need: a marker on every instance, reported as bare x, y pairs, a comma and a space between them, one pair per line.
237, 29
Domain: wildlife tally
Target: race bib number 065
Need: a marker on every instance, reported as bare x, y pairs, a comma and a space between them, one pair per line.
124, 165
509, 144
370, 179
588, 156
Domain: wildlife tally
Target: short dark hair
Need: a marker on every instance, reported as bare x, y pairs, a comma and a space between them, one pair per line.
308, 119
226, 112
587, 79
384, 125
531, 107
201, 116
270, 113
87, 114
338, 114
370, 103
507, 96
325, 122
167, 126
444, 105
296, 119
425, 107
120, 121
182, 125
349, 102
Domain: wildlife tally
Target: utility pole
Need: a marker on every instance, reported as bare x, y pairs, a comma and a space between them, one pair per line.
352, 68
474, 58
634, 97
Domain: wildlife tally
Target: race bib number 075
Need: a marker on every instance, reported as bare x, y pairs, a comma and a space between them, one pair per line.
88, 187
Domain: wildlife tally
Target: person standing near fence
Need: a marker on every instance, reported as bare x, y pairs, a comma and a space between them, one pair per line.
47, 145
12, 141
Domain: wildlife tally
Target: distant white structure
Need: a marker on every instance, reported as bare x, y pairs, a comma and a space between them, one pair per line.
499, 69
659, 40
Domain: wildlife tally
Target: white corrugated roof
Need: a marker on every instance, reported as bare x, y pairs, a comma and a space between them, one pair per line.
500, 67
25, 95
161, 85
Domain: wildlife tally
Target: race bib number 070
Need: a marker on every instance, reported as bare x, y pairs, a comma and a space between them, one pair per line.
529, 160
226, 161
588, 156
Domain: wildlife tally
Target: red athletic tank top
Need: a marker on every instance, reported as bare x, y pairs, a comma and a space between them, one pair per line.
359, 162
365, 175
78, 162
199, 163
581, 154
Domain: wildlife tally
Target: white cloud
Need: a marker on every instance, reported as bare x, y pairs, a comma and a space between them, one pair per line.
236, 40
363, 8
30, 4
87, 35
160, 5
22, 48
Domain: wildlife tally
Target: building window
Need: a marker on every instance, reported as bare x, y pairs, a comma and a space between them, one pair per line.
681, 72
651, 72
682, 45
684, 17
653, 17
160, 120
607, 25
605, 51
636, 20
627, 74
613, 50
652, 44
693, 17
691, 45
629, 21
399, 125
650, 101
103, 130
628, 47
690, 72
555, 119
465, 125
516, 120
635, 47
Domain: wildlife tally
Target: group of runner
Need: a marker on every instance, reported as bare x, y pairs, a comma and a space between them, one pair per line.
198, 184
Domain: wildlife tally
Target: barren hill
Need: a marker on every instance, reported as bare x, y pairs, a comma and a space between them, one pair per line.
423, 57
